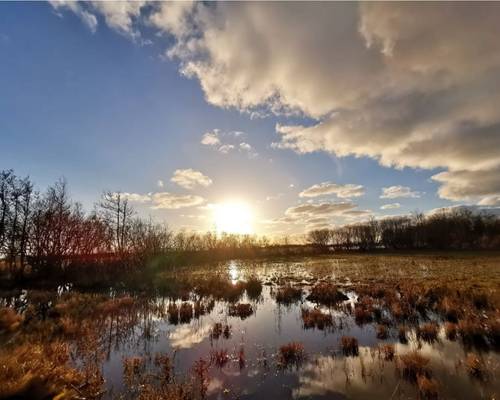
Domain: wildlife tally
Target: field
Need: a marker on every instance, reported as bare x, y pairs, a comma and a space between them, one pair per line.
389, 326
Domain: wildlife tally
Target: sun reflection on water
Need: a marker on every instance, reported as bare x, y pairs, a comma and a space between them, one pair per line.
234, 272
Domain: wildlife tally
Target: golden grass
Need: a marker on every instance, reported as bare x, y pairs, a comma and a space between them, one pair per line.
349, 345
315, 318
291, 354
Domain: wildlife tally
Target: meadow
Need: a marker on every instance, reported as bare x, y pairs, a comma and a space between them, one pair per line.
388, 326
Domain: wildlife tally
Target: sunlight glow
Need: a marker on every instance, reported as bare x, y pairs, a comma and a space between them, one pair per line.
233, 217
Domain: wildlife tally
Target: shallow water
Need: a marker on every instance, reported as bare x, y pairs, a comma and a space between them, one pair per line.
324, 373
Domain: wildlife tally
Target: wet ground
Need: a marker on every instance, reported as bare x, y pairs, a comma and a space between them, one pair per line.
241, 347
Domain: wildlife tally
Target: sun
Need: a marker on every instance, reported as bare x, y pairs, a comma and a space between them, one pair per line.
233, 217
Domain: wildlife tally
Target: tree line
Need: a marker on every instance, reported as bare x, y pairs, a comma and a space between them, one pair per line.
48, 231
457, 228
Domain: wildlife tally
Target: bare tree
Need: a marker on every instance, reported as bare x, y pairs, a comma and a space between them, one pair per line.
117, 213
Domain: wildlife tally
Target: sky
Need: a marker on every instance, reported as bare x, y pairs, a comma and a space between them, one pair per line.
312, 114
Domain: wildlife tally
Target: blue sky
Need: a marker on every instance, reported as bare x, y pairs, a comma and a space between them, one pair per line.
108, 111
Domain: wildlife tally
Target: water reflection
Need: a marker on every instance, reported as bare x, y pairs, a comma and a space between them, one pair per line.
142, 327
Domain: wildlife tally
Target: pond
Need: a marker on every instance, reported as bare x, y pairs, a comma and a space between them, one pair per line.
306, 329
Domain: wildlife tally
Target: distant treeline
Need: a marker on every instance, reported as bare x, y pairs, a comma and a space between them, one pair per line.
452, 229
46, 233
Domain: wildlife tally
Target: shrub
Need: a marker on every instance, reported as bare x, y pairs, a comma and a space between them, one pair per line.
362, 315
173, 313
472, 331
402, 334
220, 358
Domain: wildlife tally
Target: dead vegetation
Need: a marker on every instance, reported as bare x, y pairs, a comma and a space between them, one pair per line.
326, 294
349, 346
242, 310
291, 354
315, 318
288, 294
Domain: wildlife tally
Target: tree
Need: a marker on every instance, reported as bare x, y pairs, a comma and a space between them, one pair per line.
117, 214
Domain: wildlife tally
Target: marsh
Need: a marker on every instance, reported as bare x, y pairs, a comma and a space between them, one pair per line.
225, 331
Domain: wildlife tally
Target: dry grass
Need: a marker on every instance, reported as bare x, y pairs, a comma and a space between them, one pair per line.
428, 332
291, 354
186, 312
41, 370
413, 364
242, 310
326, 293
10, 321
382, 332
450, 330
428, 387
475, 366
254, 287
402, 332
288, 294
389, 351
472, 331
220, 358
315, 318
349, 345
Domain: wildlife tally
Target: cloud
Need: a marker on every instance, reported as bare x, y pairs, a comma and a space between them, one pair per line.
393, 192
211, 138
160, 183
136, 198
390, 206
226, 148
474, 209
165, 200
87, 18
409, 86
406, 85
326, 188
320, 209
189, 178
490, 201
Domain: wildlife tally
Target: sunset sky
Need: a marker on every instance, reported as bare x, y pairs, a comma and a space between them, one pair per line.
305, 115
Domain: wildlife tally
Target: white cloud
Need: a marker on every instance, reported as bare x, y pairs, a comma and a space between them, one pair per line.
165, 200
190, 178
211, 138
490, 201
404, 84
136, 197
393, 192
320, 209
160, 183
407, 85
326, 188
390, 206
226, 148
87, 18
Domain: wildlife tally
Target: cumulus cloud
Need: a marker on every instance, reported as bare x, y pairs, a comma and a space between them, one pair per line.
393, 192
211, 138
326, 188
390, 206
160, 183
165, 200
407, 85
404, 84
190, 178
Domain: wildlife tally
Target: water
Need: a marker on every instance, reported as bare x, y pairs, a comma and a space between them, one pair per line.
324, 373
